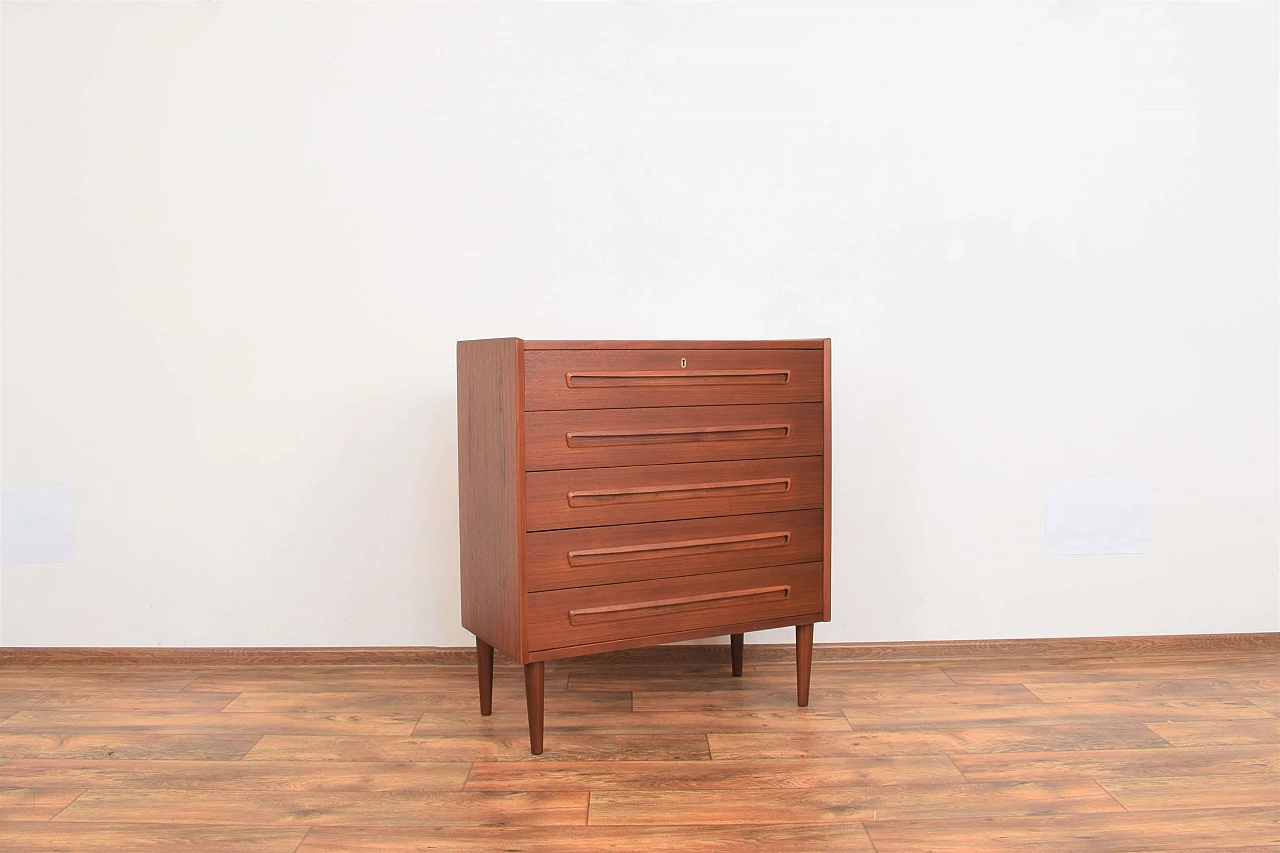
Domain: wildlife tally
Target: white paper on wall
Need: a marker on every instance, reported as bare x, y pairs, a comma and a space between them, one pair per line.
1098, 516
35, 525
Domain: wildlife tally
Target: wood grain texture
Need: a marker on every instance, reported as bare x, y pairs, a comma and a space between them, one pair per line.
490, 491
1217, 732
32, 720
35, 803
804, 662
507, 698
510, 744
755, 838
675, 636
892, 749
699, 382
671, 693
561, 559
402, 776
107, 700
597, 614
827, 402
943, 741
815, 805
1118, 763
1137, 832
1173, 688
710, 775
1195, 792
152, 745
370, 808
598, 438
673, 722
671, 492
114, 837
1062, 714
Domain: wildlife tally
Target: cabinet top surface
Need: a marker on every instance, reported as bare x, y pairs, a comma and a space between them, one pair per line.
813, 343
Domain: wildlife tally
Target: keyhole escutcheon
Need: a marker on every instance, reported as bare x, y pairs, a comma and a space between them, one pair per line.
682, 364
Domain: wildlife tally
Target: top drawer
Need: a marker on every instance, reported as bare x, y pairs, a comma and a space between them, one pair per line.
609, 379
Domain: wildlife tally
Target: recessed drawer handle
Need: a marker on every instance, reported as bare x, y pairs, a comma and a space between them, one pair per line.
664, 550
650, 378
602, 438
643, 494
639, 609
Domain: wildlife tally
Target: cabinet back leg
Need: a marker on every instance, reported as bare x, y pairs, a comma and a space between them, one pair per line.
735, 652
484, 668
804, 662
533, 692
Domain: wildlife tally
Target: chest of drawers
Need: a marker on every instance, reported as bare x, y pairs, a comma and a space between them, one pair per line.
617, 494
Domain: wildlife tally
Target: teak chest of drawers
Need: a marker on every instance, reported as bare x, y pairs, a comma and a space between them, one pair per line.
616, 494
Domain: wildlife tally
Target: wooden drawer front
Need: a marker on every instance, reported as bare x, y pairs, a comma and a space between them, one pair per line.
574, 617
558, 559
614, 437
593, 497
614, 379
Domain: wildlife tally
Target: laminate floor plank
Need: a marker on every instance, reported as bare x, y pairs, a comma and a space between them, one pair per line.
1095, 673
674, 722
73, 680
888, 802
506, 701
223, 722
1195, 792
108, 700
156, 745
877, 674
895, 717
1036, 754
565, 746
1129, 832
1121, 763
755, 838
710, 775
117, 837
1180, 688
824, 695
405, 776
989, 739
360, 681
1217, 732
369, 808
19, 803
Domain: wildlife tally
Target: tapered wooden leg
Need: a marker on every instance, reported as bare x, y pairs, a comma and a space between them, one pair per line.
735, 651
484, 666
533, 684
804, 662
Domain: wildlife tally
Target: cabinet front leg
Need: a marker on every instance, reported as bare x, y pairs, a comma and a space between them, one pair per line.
735, 651
484, 667
533, 692
804, 662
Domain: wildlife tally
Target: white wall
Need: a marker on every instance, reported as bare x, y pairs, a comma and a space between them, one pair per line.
240, 241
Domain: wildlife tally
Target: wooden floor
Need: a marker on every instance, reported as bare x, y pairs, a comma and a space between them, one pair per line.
1107, 755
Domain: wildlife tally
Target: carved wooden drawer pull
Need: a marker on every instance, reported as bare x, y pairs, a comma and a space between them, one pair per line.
688, 547
590, 615
643, 494
603, 438
652, 378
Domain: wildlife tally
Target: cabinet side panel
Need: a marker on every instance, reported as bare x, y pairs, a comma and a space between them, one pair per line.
490, 489
826, 464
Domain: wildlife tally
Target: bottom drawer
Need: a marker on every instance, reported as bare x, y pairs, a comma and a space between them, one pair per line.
574, 617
